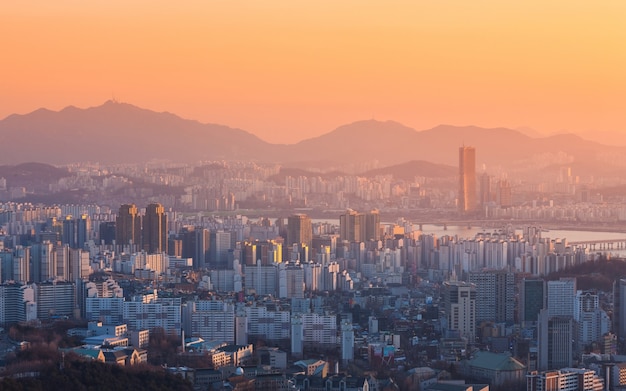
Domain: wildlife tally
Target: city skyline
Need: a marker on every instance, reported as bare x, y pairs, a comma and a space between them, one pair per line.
250, 194
286, 72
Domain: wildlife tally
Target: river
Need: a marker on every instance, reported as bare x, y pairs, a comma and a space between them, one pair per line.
464, 232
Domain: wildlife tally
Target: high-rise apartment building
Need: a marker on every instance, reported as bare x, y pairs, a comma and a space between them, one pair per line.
566, 379
270, 325
154, 231
290, 280
319, 330
592, 321
128, 226
55, 299
263, 280
150, 313
211, 320
467, 179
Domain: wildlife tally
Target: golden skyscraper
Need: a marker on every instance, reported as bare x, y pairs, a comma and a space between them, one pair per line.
299, 229
128, 225
467, 179
155, 229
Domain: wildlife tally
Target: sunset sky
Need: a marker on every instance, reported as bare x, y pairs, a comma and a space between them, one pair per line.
290, 70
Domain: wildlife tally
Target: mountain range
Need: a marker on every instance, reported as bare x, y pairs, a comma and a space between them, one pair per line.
122, 133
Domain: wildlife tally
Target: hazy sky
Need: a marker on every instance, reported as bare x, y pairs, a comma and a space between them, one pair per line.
289, 70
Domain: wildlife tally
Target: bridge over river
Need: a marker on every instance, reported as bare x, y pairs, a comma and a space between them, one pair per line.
602, 244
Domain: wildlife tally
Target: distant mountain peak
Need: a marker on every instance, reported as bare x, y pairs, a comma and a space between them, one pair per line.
118, 132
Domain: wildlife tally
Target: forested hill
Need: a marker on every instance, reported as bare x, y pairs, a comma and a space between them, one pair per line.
83, 375
598, 275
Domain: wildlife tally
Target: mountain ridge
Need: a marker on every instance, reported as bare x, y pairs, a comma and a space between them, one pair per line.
116, 132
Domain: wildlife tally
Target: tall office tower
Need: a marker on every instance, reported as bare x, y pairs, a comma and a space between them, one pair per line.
372, 225
495, 295
554, 341
62, 254
460, 305
15, 302
485, 189
6, 265
43, 261
249, 255
299, 230
154, 230
128, 226
591, 321
359, 227
83, 232
220, 244
106, 232
619, 308
350, 226
505, 198
195, 245
467, 179
532, 299
347, 341
68, 235
561, 294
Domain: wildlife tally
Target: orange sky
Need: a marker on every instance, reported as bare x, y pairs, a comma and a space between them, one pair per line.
289, 70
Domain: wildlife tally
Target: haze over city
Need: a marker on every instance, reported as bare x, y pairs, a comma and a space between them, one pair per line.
339, 196
286, 71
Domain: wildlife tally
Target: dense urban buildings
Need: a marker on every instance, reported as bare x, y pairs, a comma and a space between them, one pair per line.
357, 289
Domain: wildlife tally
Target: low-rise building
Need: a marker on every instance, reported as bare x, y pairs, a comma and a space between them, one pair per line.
493, 368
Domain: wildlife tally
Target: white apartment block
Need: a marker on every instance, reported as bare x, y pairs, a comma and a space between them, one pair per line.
319, 329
